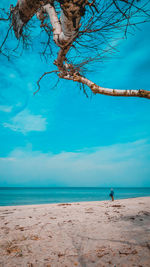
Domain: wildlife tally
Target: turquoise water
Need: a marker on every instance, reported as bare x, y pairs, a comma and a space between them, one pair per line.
27, 196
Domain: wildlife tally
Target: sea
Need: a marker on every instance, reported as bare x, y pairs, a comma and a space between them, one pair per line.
12, 196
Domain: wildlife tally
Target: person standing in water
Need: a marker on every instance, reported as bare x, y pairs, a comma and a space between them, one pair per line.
112, 194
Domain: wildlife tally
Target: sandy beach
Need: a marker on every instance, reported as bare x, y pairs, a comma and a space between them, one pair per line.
89, 234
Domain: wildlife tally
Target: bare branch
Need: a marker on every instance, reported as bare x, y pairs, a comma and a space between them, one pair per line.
38, 82
5, 38
106, 91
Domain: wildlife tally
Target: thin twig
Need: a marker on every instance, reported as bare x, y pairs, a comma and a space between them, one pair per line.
45, 73
5, 38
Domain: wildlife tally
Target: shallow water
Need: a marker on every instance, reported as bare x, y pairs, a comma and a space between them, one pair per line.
27, 196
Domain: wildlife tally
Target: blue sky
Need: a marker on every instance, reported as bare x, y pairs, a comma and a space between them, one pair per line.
59, 137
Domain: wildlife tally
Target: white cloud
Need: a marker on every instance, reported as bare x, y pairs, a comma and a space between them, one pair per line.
7, 159
115, 165
5, 108
12, 75
25, 122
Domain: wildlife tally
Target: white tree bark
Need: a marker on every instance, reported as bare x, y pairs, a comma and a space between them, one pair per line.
54, 22
107, 91
65, 31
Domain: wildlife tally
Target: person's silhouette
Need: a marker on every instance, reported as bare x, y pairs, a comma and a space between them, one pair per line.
111, 194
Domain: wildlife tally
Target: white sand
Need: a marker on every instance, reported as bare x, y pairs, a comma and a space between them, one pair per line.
89, 234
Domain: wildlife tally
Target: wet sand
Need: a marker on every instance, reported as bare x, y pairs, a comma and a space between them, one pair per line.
88, 234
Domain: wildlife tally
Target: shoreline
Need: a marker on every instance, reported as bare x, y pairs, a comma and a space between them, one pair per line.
91, 234
57, 203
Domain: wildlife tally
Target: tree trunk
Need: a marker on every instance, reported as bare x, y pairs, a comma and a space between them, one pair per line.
23, 12
65, 30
